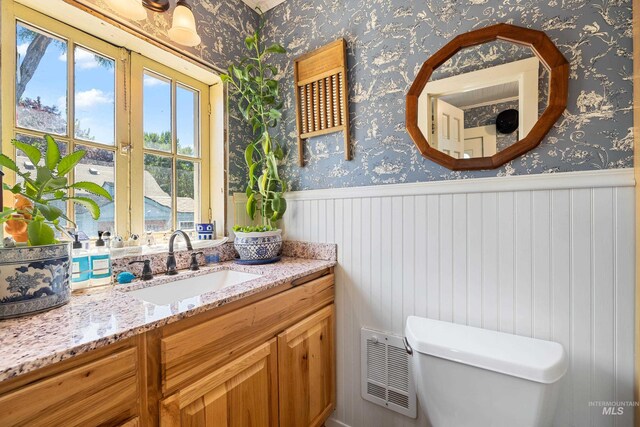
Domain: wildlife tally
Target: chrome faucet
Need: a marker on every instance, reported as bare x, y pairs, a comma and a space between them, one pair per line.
171, 258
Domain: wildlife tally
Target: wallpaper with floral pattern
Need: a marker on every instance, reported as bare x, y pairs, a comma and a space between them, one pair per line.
388, 40
220, 23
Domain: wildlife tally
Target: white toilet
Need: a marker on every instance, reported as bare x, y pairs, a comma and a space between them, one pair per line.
472, 377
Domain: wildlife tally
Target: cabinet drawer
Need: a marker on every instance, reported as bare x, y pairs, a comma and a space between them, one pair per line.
198, 350
102, 392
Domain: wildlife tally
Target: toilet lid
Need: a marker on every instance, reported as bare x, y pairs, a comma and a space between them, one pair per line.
529, 358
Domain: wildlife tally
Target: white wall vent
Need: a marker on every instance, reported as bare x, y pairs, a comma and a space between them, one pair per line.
387, 372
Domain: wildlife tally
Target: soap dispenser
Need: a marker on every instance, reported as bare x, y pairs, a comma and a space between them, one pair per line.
81, 273
100, 263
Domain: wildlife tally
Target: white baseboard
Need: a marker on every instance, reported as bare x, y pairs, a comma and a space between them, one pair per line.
335, 423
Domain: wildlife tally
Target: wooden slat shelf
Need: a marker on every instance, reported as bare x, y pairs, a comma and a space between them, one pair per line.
322, 94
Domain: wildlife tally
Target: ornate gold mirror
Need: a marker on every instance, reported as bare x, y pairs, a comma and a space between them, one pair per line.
487, 97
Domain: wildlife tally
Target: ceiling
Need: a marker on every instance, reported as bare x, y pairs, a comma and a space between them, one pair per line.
264, 4
483, 96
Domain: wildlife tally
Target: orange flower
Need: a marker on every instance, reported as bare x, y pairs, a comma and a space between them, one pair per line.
23, 205
17, 228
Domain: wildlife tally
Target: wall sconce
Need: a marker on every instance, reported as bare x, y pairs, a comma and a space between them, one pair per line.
183, 29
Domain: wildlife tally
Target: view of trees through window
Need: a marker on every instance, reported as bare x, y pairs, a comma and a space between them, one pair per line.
162, 186
184, 170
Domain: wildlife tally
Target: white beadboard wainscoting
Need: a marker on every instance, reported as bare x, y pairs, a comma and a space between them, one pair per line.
548, 256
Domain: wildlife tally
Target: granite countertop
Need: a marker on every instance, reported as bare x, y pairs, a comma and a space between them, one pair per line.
104, 316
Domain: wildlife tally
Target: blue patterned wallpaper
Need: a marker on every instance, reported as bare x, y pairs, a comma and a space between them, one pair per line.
388, 40
221, 24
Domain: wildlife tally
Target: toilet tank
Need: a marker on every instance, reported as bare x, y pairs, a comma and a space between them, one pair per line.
467, 376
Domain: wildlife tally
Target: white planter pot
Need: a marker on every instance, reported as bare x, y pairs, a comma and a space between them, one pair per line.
34, 279
258, 245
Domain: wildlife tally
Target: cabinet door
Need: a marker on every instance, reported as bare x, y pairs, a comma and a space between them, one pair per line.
242, 393
306, 370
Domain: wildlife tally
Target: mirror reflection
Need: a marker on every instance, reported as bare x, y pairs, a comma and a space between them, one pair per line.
483, 99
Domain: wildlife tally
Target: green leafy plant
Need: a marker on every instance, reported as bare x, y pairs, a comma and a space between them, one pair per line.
252, 228
255, 86
49, 185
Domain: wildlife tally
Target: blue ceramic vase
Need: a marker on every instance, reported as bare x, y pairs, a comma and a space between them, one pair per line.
34, 279
263, 245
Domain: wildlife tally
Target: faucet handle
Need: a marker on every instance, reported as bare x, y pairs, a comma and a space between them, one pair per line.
194, 261
147, 273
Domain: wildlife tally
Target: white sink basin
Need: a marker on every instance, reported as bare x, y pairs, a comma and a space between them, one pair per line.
192, 287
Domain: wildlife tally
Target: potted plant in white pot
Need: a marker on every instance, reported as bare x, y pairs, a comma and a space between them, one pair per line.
254, 84
35, 273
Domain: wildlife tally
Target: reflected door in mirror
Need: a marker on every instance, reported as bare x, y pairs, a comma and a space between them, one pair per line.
475, 86
487, 97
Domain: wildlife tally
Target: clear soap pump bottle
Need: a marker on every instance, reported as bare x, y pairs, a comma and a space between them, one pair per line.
81, 275
100, 263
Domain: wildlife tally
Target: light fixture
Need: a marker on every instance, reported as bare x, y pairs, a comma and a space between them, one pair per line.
183, 29
132, 9
156, 5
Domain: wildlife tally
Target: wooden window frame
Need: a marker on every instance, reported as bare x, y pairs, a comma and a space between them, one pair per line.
12, 14
140, 64
128, 143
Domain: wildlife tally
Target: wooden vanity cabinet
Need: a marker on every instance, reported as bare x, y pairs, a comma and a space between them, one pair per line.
266, 360
101, 387
265, 364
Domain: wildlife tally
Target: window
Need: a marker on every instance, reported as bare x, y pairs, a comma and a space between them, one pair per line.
172, 113
144, 126
67, 89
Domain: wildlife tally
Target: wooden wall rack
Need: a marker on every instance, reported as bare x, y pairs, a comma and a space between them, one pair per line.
322, 94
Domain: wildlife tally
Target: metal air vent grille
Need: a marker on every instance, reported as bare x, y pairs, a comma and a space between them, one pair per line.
387, 377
